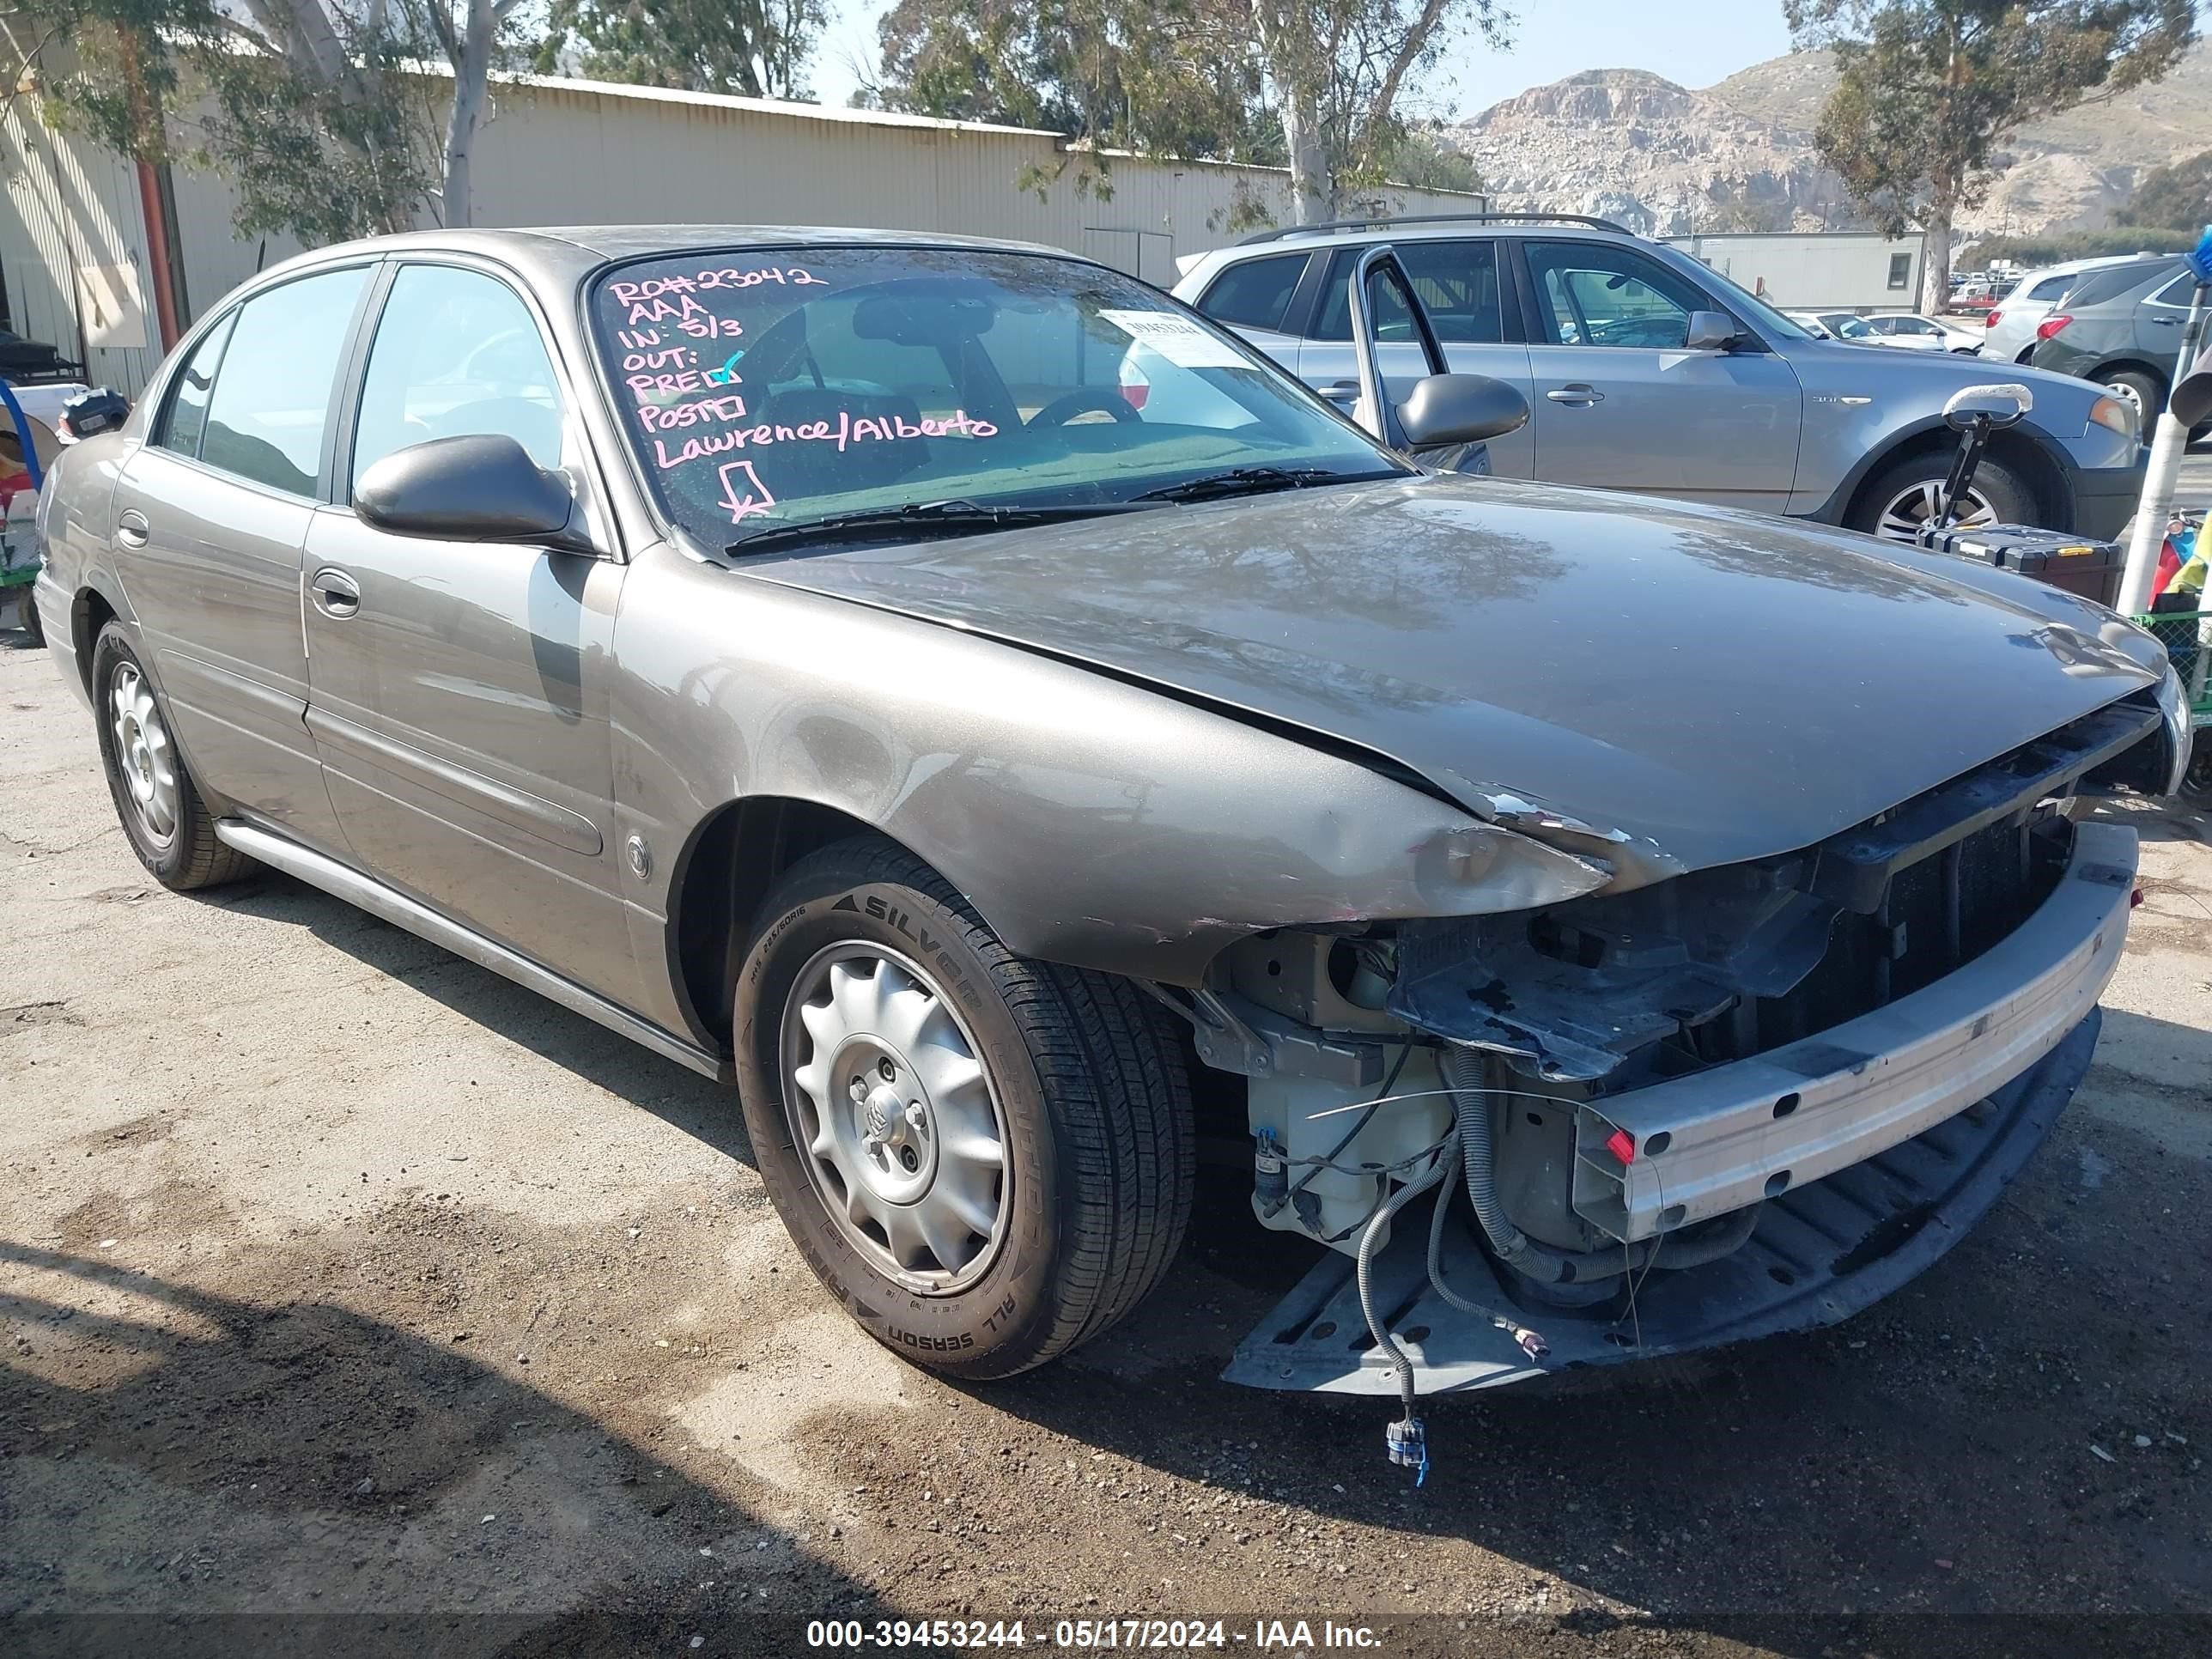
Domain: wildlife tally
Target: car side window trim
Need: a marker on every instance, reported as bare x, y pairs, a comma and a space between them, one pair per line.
1750, 341
1306, 297
581, 458
164, 418
338, 380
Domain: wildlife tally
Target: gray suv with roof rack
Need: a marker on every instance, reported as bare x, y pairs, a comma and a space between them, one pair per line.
1648, 371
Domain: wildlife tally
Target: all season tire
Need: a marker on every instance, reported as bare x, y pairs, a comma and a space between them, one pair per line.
986, 1159
1900, 497
167, 823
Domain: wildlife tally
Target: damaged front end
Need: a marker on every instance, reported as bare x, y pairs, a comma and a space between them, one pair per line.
1734, 1102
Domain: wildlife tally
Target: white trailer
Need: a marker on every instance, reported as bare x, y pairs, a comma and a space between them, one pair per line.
1820, 271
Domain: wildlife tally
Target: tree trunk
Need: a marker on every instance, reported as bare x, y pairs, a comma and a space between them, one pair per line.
1312, 192
1935, 295
471, 68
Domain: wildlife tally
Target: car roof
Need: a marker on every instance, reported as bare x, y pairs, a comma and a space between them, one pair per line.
558, 250
1296, 239
2115, 283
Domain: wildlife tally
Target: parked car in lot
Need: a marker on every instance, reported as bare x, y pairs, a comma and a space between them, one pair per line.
2008, 330
1648, 371
2122, 328
1898, 328
1914, 333
800, 653
1901, 328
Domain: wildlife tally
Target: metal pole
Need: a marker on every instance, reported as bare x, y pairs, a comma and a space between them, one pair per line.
2156, 508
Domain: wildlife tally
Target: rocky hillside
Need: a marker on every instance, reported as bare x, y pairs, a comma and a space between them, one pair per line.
1739, 155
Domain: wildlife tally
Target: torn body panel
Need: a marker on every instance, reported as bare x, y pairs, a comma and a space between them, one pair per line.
1571, 994
1819, 1255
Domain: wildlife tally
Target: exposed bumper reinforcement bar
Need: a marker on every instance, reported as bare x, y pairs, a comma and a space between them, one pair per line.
1732, 1135
1820, 1252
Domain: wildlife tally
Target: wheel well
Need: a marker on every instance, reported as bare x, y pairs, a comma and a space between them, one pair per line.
2014, 451
724, 872
90, 614
2132, 366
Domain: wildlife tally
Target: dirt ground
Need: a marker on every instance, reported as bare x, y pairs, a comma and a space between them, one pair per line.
356, 1299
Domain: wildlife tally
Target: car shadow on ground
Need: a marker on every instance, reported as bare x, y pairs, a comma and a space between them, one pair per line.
1932, 1455
698, 1106
179, 1463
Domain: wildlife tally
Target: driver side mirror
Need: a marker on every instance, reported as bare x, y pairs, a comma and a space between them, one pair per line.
1994, 407
1710, 331
1461, 408
482, 487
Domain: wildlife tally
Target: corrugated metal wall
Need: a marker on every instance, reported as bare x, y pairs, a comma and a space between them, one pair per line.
569, 152
572, 152
68, 206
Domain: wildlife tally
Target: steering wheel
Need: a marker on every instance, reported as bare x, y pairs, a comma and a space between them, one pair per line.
1084, 400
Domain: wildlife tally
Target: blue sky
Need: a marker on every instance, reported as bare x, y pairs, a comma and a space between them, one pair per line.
1695, 42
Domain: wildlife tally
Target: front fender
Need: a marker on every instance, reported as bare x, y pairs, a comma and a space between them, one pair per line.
1092, 821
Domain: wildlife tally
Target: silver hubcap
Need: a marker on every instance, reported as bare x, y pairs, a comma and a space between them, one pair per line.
1908, 509
2128, 395
902, 1135
143, 753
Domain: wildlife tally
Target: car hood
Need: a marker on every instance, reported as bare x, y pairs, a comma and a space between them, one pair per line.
1697, 685
1951, 370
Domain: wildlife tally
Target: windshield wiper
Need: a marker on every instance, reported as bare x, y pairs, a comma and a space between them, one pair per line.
955, 518
1252, 480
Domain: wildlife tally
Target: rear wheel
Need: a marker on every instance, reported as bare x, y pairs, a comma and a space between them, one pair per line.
986, 1159
168, 825
1905, 496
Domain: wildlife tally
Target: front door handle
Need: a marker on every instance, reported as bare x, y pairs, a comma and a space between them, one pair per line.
1341, 391
132, 528
1576, 395
337, 594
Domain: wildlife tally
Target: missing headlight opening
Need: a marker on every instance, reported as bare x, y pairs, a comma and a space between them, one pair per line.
1700, 1104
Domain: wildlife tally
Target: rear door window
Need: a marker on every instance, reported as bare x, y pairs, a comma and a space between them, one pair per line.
1256, 294
1457, 282
271, 406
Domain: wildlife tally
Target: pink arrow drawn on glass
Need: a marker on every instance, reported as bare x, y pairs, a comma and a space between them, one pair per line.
743, 492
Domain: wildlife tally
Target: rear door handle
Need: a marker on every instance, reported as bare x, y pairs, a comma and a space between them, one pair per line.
1576, 395
132, 528
337, 594
1341, 391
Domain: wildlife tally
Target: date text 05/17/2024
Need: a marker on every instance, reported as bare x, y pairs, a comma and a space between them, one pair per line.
1163, 1635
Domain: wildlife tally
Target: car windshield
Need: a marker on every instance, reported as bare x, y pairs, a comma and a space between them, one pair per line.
773, 387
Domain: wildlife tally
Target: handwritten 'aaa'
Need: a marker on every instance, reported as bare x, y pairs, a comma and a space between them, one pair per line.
669, 299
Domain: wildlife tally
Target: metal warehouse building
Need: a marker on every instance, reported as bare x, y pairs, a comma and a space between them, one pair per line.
73, 249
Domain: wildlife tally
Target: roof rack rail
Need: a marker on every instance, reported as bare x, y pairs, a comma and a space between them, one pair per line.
1280, 232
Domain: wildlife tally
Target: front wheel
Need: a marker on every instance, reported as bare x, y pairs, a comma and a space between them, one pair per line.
1898, 502
988, 1160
